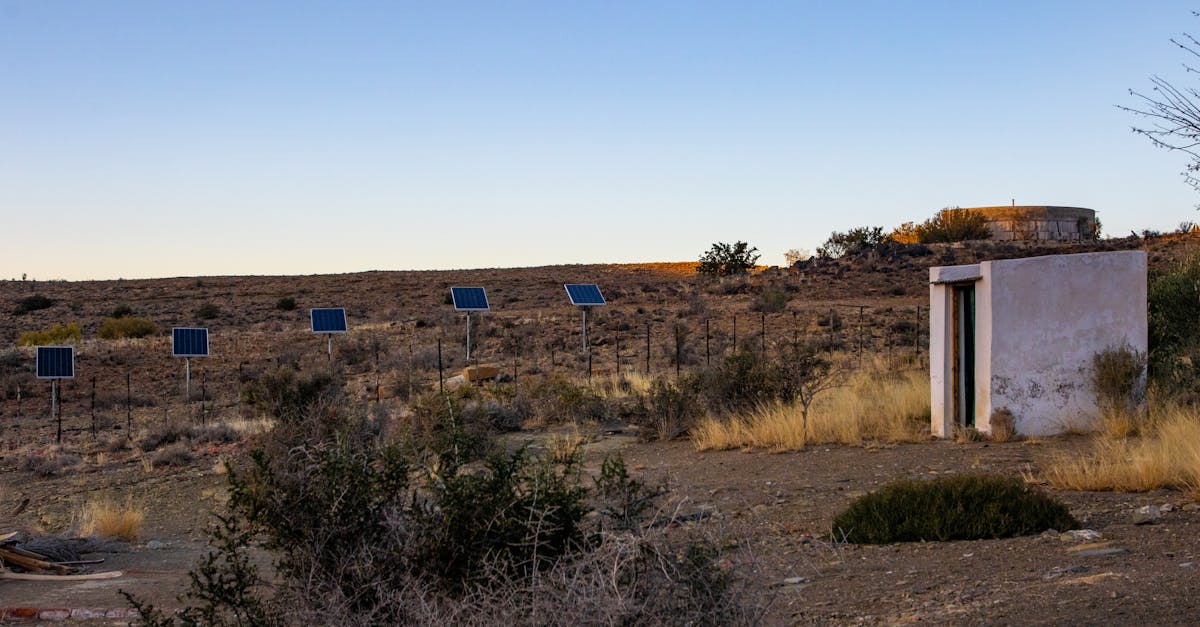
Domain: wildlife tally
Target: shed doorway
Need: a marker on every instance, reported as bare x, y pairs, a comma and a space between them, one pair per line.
964, 354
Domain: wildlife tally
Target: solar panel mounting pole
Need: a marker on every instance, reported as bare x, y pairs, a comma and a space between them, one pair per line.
585, 342
54, 408
187, 379
468, 337
329, 346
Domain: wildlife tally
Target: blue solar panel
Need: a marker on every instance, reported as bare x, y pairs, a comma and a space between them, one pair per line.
189, 342
469, 299
585, 294
328, 320
56, 362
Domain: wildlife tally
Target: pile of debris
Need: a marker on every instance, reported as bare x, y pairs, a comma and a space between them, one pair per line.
18, 562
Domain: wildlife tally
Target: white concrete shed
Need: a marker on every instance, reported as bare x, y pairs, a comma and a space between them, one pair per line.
1019, 334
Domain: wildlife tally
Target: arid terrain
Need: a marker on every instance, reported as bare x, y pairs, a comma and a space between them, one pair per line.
772, 511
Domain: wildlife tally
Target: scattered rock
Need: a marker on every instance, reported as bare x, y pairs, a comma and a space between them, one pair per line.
1081, 535
1146, 515
1166, 507
155, 545
1059, 571
1191, 507
1188, 565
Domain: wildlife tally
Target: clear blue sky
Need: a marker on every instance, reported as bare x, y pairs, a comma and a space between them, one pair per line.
157, 138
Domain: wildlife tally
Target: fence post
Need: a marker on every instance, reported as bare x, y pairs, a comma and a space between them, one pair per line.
707, 353
763, 348
129, 405
93, 406
647, 349
441, 377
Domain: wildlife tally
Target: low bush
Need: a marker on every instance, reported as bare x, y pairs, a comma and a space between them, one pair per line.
32, 303
363, 532
173, 455
290, 394
122, 311
119, 327
49, 464
287, 303
208, 311
57, 334
963, 507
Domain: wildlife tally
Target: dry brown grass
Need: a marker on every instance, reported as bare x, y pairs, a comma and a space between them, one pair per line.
873, 405
1167, 455
105, 517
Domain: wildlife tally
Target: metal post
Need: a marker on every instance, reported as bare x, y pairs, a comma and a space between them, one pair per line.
618, 357
735, 346
678, 349
203, 395
187, 379
585, 344
860, 331
763, 349
468, 336
589, 366
54, 408
441, 378
128, 406
93, 406
707, 337
647, 349
917, 333
329, 346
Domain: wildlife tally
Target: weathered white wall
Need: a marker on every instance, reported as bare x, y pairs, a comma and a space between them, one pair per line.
1038, 323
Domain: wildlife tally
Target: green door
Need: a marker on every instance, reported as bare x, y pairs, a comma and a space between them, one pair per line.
964, 349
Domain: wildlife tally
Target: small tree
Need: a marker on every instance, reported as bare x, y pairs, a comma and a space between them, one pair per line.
728, 259
852, 241
1173, 114
954, 225
796, 255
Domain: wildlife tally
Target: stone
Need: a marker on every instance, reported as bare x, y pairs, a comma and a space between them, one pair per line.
1166, 507
1146, 515
480, 373
1081, 535
1106, 552
1188, 565
155, 545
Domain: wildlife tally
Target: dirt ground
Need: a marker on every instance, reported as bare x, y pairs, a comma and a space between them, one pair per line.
773, 511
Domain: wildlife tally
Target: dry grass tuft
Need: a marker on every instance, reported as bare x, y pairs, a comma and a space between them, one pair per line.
110, 519
873, 405
1167, 455
565, 447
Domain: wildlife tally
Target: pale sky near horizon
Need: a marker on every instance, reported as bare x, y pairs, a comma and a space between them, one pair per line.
148, 139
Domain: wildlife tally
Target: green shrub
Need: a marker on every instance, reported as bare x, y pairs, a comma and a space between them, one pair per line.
771, 300
672, 409
32, 303
1118, 378
287, 303
962, 507
728, 259
290, 395
208, 311
1174, 347
57, 334
119, 327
